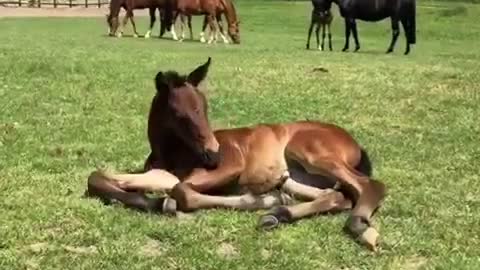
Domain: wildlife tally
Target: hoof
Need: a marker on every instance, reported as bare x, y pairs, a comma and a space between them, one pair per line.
357, 48
360, 229
389, 51
369, 238
169, 206
202, 40
119, 35
147, 36
135, 35
344, 49
276, 216
268, 222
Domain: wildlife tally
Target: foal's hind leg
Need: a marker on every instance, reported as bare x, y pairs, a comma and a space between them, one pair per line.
317, 33
395, 33
332, 201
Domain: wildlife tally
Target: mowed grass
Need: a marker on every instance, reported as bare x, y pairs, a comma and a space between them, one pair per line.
73, 100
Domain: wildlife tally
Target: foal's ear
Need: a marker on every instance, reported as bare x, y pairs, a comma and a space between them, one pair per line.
199, 74
160, 83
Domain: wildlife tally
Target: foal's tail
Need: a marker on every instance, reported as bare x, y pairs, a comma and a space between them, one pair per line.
410, 6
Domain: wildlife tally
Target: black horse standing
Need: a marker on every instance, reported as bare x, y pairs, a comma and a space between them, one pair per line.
403, 11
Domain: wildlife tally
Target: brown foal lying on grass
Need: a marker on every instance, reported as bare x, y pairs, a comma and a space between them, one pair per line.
317, 162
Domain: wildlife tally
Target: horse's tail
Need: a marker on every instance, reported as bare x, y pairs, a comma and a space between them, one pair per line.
411, 17
365, 164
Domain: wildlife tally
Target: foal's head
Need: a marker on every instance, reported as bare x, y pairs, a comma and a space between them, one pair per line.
184, 110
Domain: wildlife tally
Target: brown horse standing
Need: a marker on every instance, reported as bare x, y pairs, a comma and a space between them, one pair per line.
194, 165
129, 6
212, 9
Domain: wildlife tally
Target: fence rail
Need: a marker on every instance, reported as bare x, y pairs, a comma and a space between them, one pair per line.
54, 3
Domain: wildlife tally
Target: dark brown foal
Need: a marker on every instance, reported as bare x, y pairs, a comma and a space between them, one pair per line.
322, 18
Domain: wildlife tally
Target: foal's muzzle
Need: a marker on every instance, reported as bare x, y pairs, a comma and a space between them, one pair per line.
210, 159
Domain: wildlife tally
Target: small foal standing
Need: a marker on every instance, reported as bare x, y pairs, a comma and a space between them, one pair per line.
195, 165
321, 17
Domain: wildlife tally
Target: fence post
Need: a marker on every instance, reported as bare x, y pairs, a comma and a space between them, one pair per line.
70, 3
19, 3
86, 3
39, 3
55, 3
98, 3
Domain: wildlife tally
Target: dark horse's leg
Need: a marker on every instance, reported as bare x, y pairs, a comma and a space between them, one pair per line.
355, 34
189, 21
406, 29
310, 29
152, 21
395, 33
132, 21
347, 34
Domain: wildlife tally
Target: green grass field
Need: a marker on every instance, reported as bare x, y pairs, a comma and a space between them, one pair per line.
73, 100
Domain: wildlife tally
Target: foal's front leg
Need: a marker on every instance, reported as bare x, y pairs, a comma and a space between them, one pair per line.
109, 187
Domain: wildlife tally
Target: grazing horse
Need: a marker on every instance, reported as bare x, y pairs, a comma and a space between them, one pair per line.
129, 6
212, 9
311, 160
321, 17
376, 10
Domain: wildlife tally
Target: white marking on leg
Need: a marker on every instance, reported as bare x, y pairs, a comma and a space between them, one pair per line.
147, 35
225, 39
202, 37
174, 35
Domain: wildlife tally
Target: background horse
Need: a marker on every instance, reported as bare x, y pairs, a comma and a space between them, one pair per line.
129, 6
376, 10
321, 17
192, 163
212, 9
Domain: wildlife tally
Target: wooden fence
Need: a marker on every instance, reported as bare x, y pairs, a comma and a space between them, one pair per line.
54, 3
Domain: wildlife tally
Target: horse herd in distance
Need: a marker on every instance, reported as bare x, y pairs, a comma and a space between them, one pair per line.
399, 11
